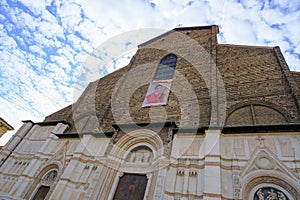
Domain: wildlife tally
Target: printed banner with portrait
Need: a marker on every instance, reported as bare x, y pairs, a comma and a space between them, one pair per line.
157, 94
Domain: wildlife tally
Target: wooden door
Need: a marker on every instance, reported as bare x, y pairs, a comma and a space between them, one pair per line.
41, 193
131, 187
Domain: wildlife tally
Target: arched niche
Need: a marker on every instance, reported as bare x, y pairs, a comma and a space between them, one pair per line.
256, 113
140, 155
138, 140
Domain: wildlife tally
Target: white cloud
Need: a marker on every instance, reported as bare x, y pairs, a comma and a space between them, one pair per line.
266, 33
36, 6
70, 14
239, 32
287, 5
293, 60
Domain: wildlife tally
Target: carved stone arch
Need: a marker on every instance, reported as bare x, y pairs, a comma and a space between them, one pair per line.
117, 161
252, 185
137, 138
139, 154
144, 146
256, 112
54, 165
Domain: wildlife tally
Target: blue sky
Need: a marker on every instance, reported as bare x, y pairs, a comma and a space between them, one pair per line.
44, 43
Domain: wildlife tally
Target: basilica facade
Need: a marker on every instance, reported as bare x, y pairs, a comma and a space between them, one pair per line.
187, 118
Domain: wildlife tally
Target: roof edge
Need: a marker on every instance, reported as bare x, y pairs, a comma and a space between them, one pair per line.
179, 29
47, 123
247, 46
7, 125
143, 124
107, 134
240, 129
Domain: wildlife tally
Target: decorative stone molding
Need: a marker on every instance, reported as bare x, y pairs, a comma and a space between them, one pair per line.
266, 183
269, 193
237, 191
193, 173
139, 147
140, 154
236, 180
50, 175
180, 172
264, 162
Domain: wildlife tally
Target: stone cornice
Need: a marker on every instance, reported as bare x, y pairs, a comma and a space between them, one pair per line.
266, 128
47, 123
94, 134
148, 124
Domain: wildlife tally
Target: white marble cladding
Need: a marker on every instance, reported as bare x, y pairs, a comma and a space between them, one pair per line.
208, 166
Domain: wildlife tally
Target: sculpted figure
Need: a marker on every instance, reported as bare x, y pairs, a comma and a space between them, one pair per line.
272, 195
281, 196
260, 194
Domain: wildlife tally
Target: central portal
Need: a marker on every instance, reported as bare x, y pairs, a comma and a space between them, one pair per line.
131, 186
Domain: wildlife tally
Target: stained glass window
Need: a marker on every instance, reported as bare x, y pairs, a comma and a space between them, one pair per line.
166, 68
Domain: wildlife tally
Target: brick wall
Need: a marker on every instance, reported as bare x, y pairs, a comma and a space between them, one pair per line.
249, 74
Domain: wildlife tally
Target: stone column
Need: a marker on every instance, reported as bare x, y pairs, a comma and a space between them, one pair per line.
186, 180
149, 177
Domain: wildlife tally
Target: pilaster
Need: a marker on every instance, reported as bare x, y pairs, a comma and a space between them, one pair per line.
212, 169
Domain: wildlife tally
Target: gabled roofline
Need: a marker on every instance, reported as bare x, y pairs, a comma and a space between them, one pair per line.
196, 28
179, 29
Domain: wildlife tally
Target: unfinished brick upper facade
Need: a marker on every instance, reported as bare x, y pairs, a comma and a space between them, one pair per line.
259, 87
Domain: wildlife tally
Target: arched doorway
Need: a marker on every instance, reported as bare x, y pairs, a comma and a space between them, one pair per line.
44, 184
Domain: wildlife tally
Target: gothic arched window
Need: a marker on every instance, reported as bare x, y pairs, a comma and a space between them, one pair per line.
166, 68
158, 91
44, 184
